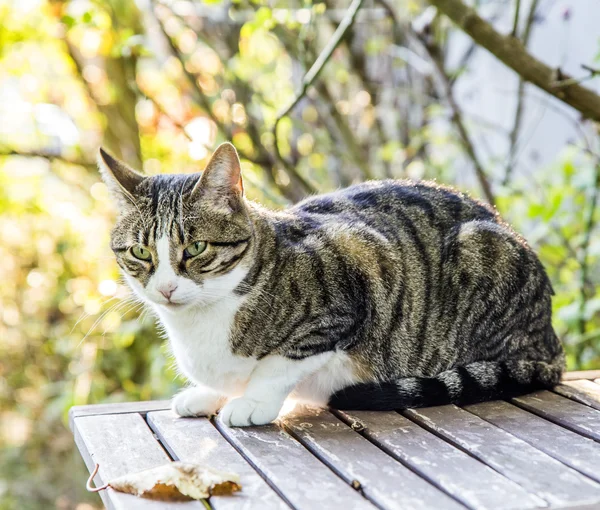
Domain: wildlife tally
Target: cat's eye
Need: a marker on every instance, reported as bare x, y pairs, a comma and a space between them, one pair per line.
139, 252
195, 249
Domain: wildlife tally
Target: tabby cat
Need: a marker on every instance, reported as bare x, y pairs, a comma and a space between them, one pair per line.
385, 295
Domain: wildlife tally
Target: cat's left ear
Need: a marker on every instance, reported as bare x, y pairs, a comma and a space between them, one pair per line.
223, 174
120, 179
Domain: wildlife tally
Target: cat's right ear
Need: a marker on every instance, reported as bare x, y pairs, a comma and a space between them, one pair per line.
120, 179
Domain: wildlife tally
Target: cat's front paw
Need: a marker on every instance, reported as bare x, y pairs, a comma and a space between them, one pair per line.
244, 412
196, 402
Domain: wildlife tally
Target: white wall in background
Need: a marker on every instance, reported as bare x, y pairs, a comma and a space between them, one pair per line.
566, 35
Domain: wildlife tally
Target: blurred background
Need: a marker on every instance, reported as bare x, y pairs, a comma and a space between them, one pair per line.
161, 83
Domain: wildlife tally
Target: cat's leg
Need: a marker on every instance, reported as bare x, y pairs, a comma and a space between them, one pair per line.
271, 382
197, 401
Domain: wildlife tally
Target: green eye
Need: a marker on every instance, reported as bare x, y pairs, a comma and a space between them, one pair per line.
139, 252
195, 249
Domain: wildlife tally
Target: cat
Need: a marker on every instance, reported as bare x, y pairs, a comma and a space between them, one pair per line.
385, 295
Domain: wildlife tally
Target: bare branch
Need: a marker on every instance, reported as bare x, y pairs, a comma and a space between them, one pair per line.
436, 58
592, 73
50, 156
263, 158
315, 70
516, 19
514, 133
511, 51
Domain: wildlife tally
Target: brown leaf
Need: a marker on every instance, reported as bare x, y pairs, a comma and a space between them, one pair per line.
175, 481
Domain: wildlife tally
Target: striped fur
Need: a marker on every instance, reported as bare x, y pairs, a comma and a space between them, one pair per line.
428, 293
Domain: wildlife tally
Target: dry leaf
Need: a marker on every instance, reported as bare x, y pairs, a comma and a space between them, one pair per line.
175, 481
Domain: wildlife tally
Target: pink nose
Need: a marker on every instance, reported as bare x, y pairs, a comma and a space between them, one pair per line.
168, 291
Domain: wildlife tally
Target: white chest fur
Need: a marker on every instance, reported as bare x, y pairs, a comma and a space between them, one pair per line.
199, 340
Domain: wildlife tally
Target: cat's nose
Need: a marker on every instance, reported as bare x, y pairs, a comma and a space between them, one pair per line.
168, 290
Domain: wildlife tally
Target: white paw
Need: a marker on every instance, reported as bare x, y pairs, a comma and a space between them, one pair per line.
196, 402
244, 412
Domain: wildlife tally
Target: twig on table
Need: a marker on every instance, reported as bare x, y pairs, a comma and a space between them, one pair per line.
313, 73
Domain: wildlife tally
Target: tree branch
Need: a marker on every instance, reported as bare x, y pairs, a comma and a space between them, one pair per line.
592, 73
435, 55
315, 70
516, 19
457, 119
511, 51
514, 133
50, 156
263, 159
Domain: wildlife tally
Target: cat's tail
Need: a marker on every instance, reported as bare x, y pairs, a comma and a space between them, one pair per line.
476, 382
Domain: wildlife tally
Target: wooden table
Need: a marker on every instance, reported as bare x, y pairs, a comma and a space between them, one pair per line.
541, 450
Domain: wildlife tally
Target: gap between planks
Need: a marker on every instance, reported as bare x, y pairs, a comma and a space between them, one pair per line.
317, 482
198, 440
451, 470
122, 444
525, 464
382, 479
563, 411
583, 391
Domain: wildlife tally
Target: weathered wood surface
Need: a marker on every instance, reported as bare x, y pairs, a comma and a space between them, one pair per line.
300, 477
582, 390
117, 408
532, 469
581, 374
455, 472
197, 440
537, 451
360, 463
122, 444
572, 449
567, 413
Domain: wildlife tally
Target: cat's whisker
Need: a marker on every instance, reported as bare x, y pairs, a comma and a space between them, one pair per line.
85, 315
135, 305
112, 308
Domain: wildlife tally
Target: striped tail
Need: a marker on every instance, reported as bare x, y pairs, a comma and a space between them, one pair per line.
476, 382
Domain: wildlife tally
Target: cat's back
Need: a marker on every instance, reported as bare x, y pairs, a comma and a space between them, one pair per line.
383, 205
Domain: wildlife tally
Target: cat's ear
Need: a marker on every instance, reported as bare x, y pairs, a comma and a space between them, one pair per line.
119, 178
223, 174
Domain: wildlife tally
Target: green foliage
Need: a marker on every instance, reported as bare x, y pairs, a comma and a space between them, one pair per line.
553, 213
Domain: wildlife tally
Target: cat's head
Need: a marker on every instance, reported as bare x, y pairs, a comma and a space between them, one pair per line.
180, 240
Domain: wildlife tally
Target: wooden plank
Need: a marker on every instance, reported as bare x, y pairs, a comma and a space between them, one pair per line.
117, 408
582, 391
197, 440
579, 452
299, 477
581, 374
122, 444
565, 412
514, 458
455, 472
360, 463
